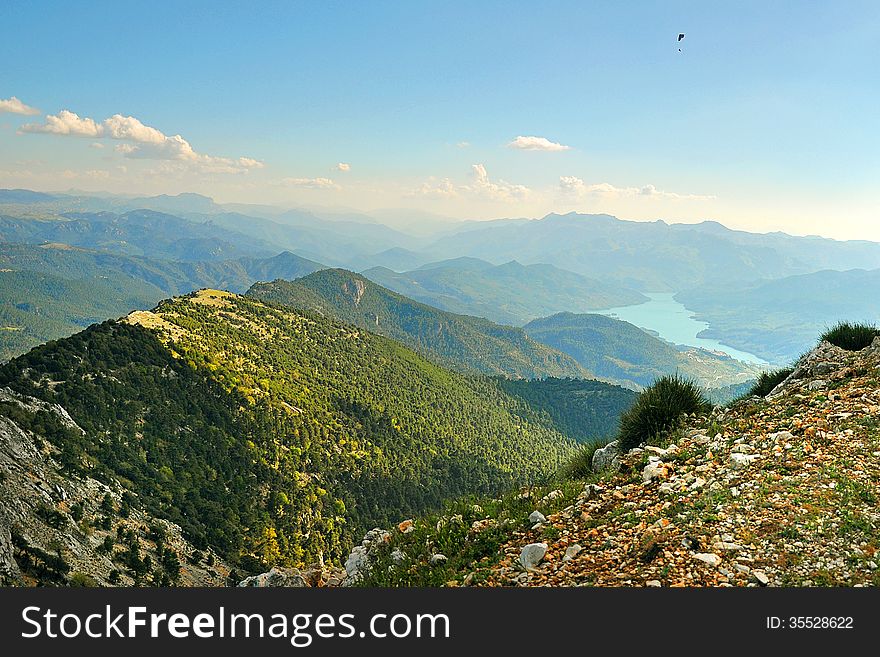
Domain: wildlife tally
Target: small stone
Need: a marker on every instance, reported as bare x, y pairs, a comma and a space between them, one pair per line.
572, 551
652, 471
699, 482
532, 554
760, 577
537, 517
406, 526
398, 556
741, 461
708, 558
727, 546
654, 583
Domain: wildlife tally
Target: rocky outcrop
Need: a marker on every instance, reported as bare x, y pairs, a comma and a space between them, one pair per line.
812, 366
277, 577
361, 557
607, 458
780, 491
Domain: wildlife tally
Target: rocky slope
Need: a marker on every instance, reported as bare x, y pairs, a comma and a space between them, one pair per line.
776, 491
60, 529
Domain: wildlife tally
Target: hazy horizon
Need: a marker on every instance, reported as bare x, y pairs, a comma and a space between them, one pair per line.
761, 122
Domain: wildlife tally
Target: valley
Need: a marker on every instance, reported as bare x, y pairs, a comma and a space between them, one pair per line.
199, 403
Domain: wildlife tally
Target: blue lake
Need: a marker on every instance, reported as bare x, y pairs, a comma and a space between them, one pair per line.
675, 323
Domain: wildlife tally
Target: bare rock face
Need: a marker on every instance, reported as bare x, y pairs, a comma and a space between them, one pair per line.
53, 529
10, 574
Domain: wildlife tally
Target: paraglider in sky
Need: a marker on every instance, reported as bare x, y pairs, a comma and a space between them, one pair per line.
680, 37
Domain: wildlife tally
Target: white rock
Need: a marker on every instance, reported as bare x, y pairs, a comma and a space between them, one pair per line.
708, 558
537, 516
741, 461
277, 577
653, 583
532, 554
607, 458
356, 563
572, 551
653, 470
728, 546
760, 577
437, 559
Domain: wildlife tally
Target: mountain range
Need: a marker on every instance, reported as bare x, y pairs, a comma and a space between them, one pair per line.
53, 290
510, 293
460, 341
194, 391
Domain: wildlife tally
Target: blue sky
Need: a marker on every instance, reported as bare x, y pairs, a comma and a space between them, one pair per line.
766, 120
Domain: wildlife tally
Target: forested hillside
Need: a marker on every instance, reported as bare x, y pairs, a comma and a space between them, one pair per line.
459, 341
586, 410
273, 435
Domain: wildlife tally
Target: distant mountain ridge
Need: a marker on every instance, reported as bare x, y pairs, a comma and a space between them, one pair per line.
459, 341
511, 293
51, 291
655, 256
779, 319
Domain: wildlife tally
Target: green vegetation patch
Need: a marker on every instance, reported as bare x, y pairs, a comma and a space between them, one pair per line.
852, 336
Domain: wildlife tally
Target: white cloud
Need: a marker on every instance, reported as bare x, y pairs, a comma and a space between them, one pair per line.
496, 191
129, 128
436, 189
463, 144
96, 144
310, 183
537, 144
573, 186
141, 141
65, 123
343, 166
481, 187
13, 105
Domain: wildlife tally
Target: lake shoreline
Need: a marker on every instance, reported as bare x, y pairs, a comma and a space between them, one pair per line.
672, 321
